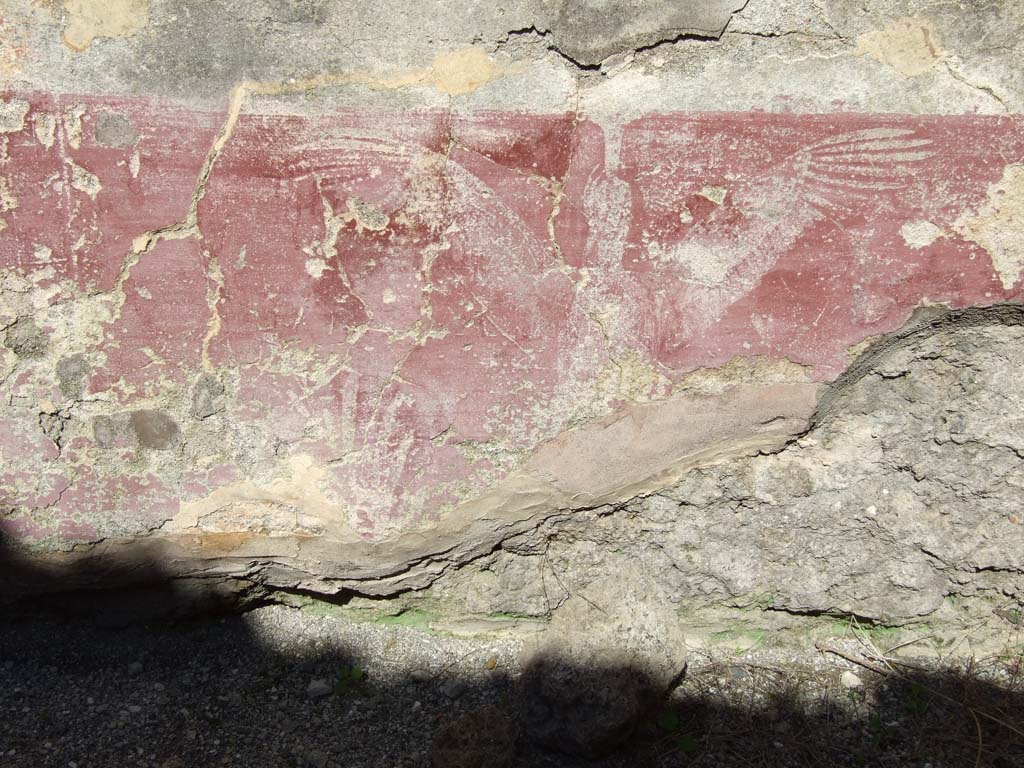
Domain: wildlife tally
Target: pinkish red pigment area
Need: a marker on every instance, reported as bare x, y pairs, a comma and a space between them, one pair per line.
416, 301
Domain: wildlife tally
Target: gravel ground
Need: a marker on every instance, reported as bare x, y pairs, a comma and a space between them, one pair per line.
242, 691
285, 687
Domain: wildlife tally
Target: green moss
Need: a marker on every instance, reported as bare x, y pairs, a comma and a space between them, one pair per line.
408, 618
743, 639
756, 635
382, 612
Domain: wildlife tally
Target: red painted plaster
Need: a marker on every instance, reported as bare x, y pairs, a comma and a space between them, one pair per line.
413, 299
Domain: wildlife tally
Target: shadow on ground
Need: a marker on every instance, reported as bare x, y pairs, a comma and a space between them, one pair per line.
86, 683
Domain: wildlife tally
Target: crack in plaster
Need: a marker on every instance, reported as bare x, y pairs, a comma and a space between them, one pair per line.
986, 89
214, 293
558, 187
454, 73
670, 38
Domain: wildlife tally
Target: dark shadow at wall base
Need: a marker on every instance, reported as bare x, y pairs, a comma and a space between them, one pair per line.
84, 682
225, 693
140, 590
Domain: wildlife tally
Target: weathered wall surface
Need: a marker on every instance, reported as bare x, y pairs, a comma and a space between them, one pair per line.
324, 297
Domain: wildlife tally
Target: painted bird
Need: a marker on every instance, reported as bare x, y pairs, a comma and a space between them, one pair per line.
723, 257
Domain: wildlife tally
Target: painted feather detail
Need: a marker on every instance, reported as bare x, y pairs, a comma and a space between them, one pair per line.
724, 256
856, 165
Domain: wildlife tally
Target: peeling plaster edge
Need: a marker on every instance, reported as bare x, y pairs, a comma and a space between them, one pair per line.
923, 322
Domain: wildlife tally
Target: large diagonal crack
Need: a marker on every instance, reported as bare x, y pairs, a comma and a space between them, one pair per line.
558, 187
188, 227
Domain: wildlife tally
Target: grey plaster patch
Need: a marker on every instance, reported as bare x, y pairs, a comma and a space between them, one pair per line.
12, 115
112, 431
799, 55
155, 429
25, 338
589, 31
71, 375
207, 396
114, 130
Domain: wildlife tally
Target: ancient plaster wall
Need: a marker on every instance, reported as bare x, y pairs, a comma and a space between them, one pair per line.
374, 298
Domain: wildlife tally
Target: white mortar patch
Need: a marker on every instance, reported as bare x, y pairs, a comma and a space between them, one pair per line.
920, 234
999, 225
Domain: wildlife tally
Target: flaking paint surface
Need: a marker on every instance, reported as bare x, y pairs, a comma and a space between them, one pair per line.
415, 304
